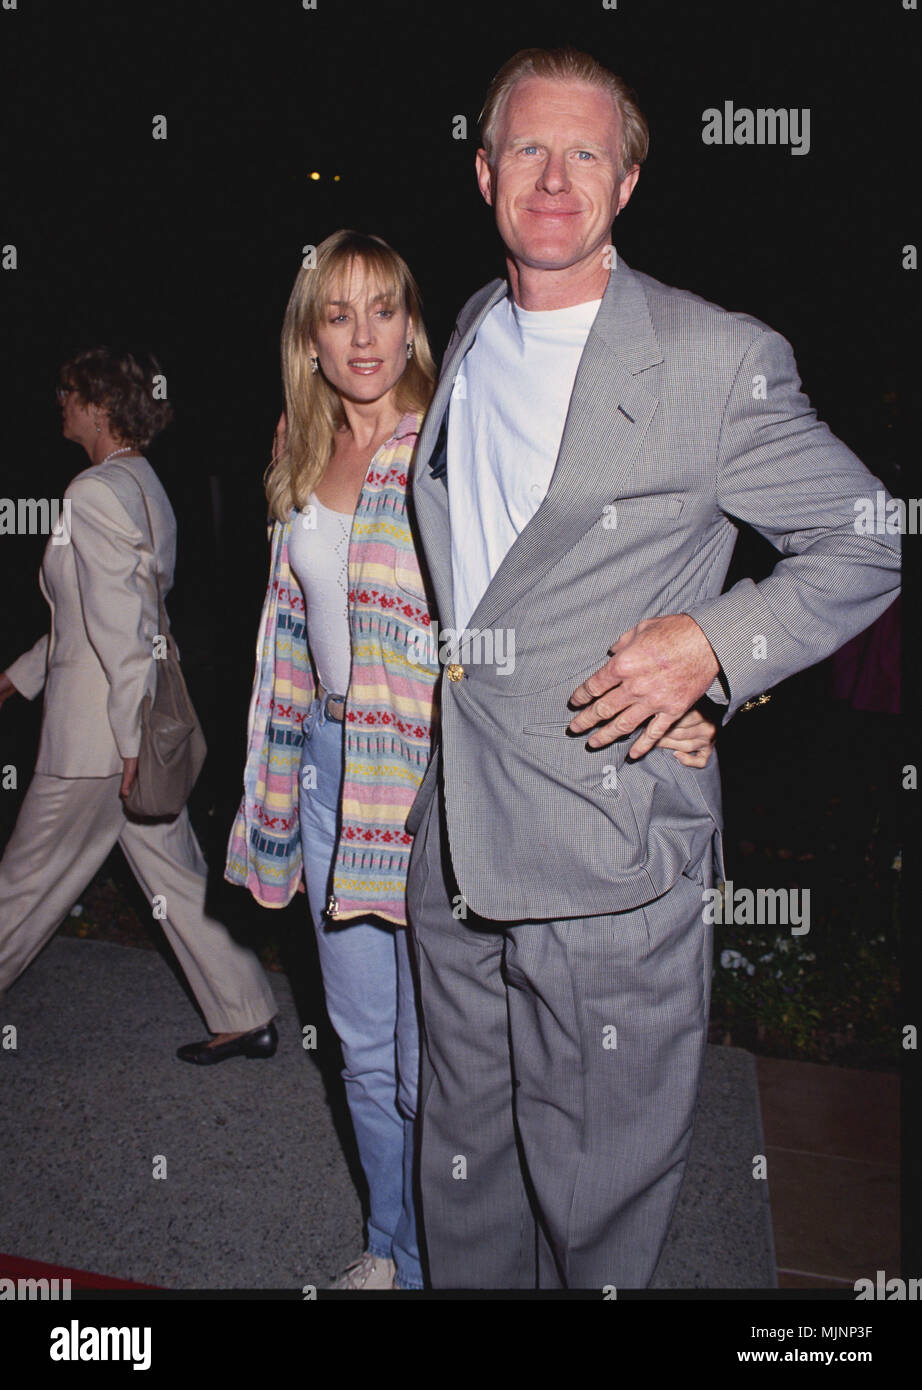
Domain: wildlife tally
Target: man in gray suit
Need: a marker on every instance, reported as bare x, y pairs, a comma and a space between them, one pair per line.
605, 435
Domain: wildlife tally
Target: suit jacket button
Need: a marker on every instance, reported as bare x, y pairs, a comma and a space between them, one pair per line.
455, 672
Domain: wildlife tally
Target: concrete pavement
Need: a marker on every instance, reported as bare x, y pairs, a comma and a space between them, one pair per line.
116, 1157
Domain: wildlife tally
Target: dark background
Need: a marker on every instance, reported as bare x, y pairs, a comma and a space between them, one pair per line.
189, 246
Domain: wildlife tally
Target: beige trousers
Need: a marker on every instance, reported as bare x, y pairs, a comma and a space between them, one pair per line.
66, 828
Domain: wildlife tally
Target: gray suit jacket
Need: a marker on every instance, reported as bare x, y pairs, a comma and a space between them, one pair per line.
687, 419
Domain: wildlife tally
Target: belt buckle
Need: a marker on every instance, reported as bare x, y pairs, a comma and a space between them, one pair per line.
325, 695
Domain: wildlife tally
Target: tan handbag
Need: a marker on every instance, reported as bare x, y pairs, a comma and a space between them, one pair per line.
173, 746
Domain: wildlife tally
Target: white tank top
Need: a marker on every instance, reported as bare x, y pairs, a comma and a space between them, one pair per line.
318, 552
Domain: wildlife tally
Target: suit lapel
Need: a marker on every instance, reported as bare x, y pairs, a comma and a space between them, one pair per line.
462, 338
430, 481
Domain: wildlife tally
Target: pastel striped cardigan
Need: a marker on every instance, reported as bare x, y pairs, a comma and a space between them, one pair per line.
388, 715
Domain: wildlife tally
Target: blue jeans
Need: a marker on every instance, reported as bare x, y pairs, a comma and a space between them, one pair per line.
372, 1005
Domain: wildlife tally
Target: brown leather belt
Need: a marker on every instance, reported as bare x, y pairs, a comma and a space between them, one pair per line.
336, 709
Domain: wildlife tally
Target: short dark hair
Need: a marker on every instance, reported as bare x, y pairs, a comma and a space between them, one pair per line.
125, 385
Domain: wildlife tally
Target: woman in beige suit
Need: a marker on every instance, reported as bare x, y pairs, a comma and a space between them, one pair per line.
95, 665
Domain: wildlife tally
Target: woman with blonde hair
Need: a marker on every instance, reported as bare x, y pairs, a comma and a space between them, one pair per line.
342, 710
344, 696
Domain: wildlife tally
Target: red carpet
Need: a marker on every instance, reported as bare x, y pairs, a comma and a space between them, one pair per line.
12, 1267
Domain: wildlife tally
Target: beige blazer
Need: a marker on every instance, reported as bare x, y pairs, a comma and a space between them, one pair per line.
97, 661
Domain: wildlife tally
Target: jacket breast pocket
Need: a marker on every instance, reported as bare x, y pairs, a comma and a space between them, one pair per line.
653, 507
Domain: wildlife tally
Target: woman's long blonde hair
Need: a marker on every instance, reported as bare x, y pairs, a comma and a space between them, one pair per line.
313, 408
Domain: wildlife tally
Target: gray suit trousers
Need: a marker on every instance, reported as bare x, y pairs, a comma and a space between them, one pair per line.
559, 1080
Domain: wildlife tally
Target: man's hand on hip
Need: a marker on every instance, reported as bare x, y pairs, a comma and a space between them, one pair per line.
657, 671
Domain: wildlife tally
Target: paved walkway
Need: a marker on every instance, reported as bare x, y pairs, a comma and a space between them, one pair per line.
255, 1192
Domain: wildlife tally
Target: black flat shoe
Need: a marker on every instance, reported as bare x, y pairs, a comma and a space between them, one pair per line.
261, 1042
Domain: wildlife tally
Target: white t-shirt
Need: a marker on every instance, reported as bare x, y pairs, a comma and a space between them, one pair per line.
508, 409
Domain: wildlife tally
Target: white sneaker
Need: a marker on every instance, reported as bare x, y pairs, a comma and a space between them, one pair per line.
367, 1272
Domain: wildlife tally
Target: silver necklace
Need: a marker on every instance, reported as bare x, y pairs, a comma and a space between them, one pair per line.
126, 449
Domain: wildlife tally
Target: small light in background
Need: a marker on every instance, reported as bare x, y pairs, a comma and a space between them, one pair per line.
336, 178
314, 175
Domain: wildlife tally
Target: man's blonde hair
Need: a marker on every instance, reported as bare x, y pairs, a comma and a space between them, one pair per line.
566, 65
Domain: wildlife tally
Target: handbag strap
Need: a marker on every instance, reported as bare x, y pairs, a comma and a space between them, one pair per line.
161, 611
